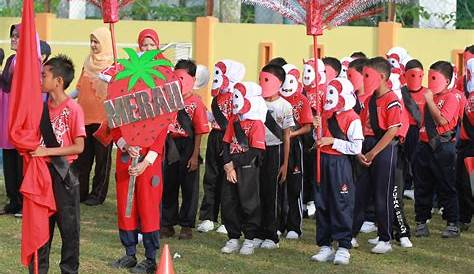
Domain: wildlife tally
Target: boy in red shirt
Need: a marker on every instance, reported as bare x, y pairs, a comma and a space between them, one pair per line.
381, 120
290, 194
434, 165
342, 136
183, 172
244, 144
63, 132
465, 154
227, 73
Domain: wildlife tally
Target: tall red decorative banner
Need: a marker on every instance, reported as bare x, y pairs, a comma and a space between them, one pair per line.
26, 107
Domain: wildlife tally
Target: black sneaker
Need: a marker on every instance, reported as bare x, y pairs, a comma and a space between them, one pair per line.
145, 266
451, 231
464, 226
9, 209
422, 230
125, 262
92, 202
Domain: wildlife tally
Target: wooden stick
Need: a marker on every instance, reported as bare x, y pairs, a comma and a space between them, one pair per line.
318, 131
114, 47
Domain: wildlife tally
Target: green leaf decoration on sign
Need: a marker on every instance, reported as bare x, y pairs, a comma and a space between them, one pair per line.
143, 67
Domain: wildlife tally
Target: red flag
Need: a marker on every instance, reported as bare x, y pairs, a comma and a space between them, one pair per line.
26, 106
469, 163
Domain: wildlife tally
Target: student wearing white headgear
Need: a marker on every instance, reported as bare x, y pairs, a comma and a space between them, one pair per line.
226, 74
244, 143
342, 136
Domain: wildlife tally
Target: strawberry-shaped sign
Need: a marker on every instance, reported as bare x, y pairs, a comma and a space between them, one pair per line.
143, 97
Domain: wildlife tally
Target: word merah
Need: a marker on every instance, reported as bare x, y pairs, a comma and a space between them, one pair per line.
144, 104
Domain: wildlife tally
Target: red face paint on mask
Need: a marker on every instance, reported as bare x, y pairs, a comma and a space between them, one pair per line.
372, 80
414, 78
270, 84
436, 81
330, 73
187, 81
356, 78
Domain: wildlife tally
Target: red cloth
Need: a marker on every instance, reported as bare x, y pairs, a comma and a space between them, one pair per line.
196, 110
469, 112
253, 129
26, 106
301, 108
448, 104
389, 111
224, 101
67, 120
344, 120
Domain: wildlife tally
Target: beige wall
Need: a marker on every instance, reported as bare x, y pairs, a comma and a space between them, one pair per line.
242, 41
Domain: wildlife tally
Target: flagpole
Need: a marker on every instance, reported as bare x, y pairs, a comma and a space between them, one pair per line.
36, 262
318, 130
114, 48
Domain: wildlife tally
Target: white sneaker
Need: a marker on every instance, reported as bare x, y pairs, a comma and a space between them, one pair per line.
269, 244
231, 246
311, 207
221, 229
247, 247
368, 227
279, 233
205, 226
140, 238
405, 242
257, 242
354, 243
374, 241
410, 194
292, 235
342, 256
440, 211
382, 248
325, 254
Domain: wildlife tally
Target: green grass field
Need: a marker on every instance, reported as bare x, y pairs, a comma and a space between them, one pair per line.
100, 245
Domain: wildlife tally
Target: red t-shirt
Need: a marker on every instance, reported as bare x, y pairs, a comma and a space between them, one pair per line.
419, 98
253, 129
344, 120
224, 101
67, 121
448, 104
461, 100
196, 110
469, 113
389, 111
301, 108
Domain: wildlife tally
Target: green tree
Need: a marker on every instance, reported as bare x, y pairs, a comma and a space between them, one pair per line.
465, 14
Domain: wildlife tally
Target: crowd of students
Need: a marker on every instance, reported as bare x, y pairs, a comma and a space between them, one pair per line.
368, 118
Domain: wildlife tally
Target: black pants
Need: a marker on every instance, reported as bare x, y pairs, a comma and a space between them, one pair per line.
176, 176
378, 180
269, 192
241, 203
408, 153
13, 172
463, 184
401, 228
335, 201
214, 175
66, 195
93, 149
309, 162
435, 171
290, 193
151, 242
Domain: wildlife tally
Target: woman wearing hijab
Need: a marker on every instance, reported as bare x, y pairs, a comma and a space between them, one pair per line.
91, 94
12, 161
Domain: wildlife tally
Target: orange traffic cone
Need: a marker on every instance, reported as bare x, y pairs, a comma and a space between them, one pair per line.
166, 263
